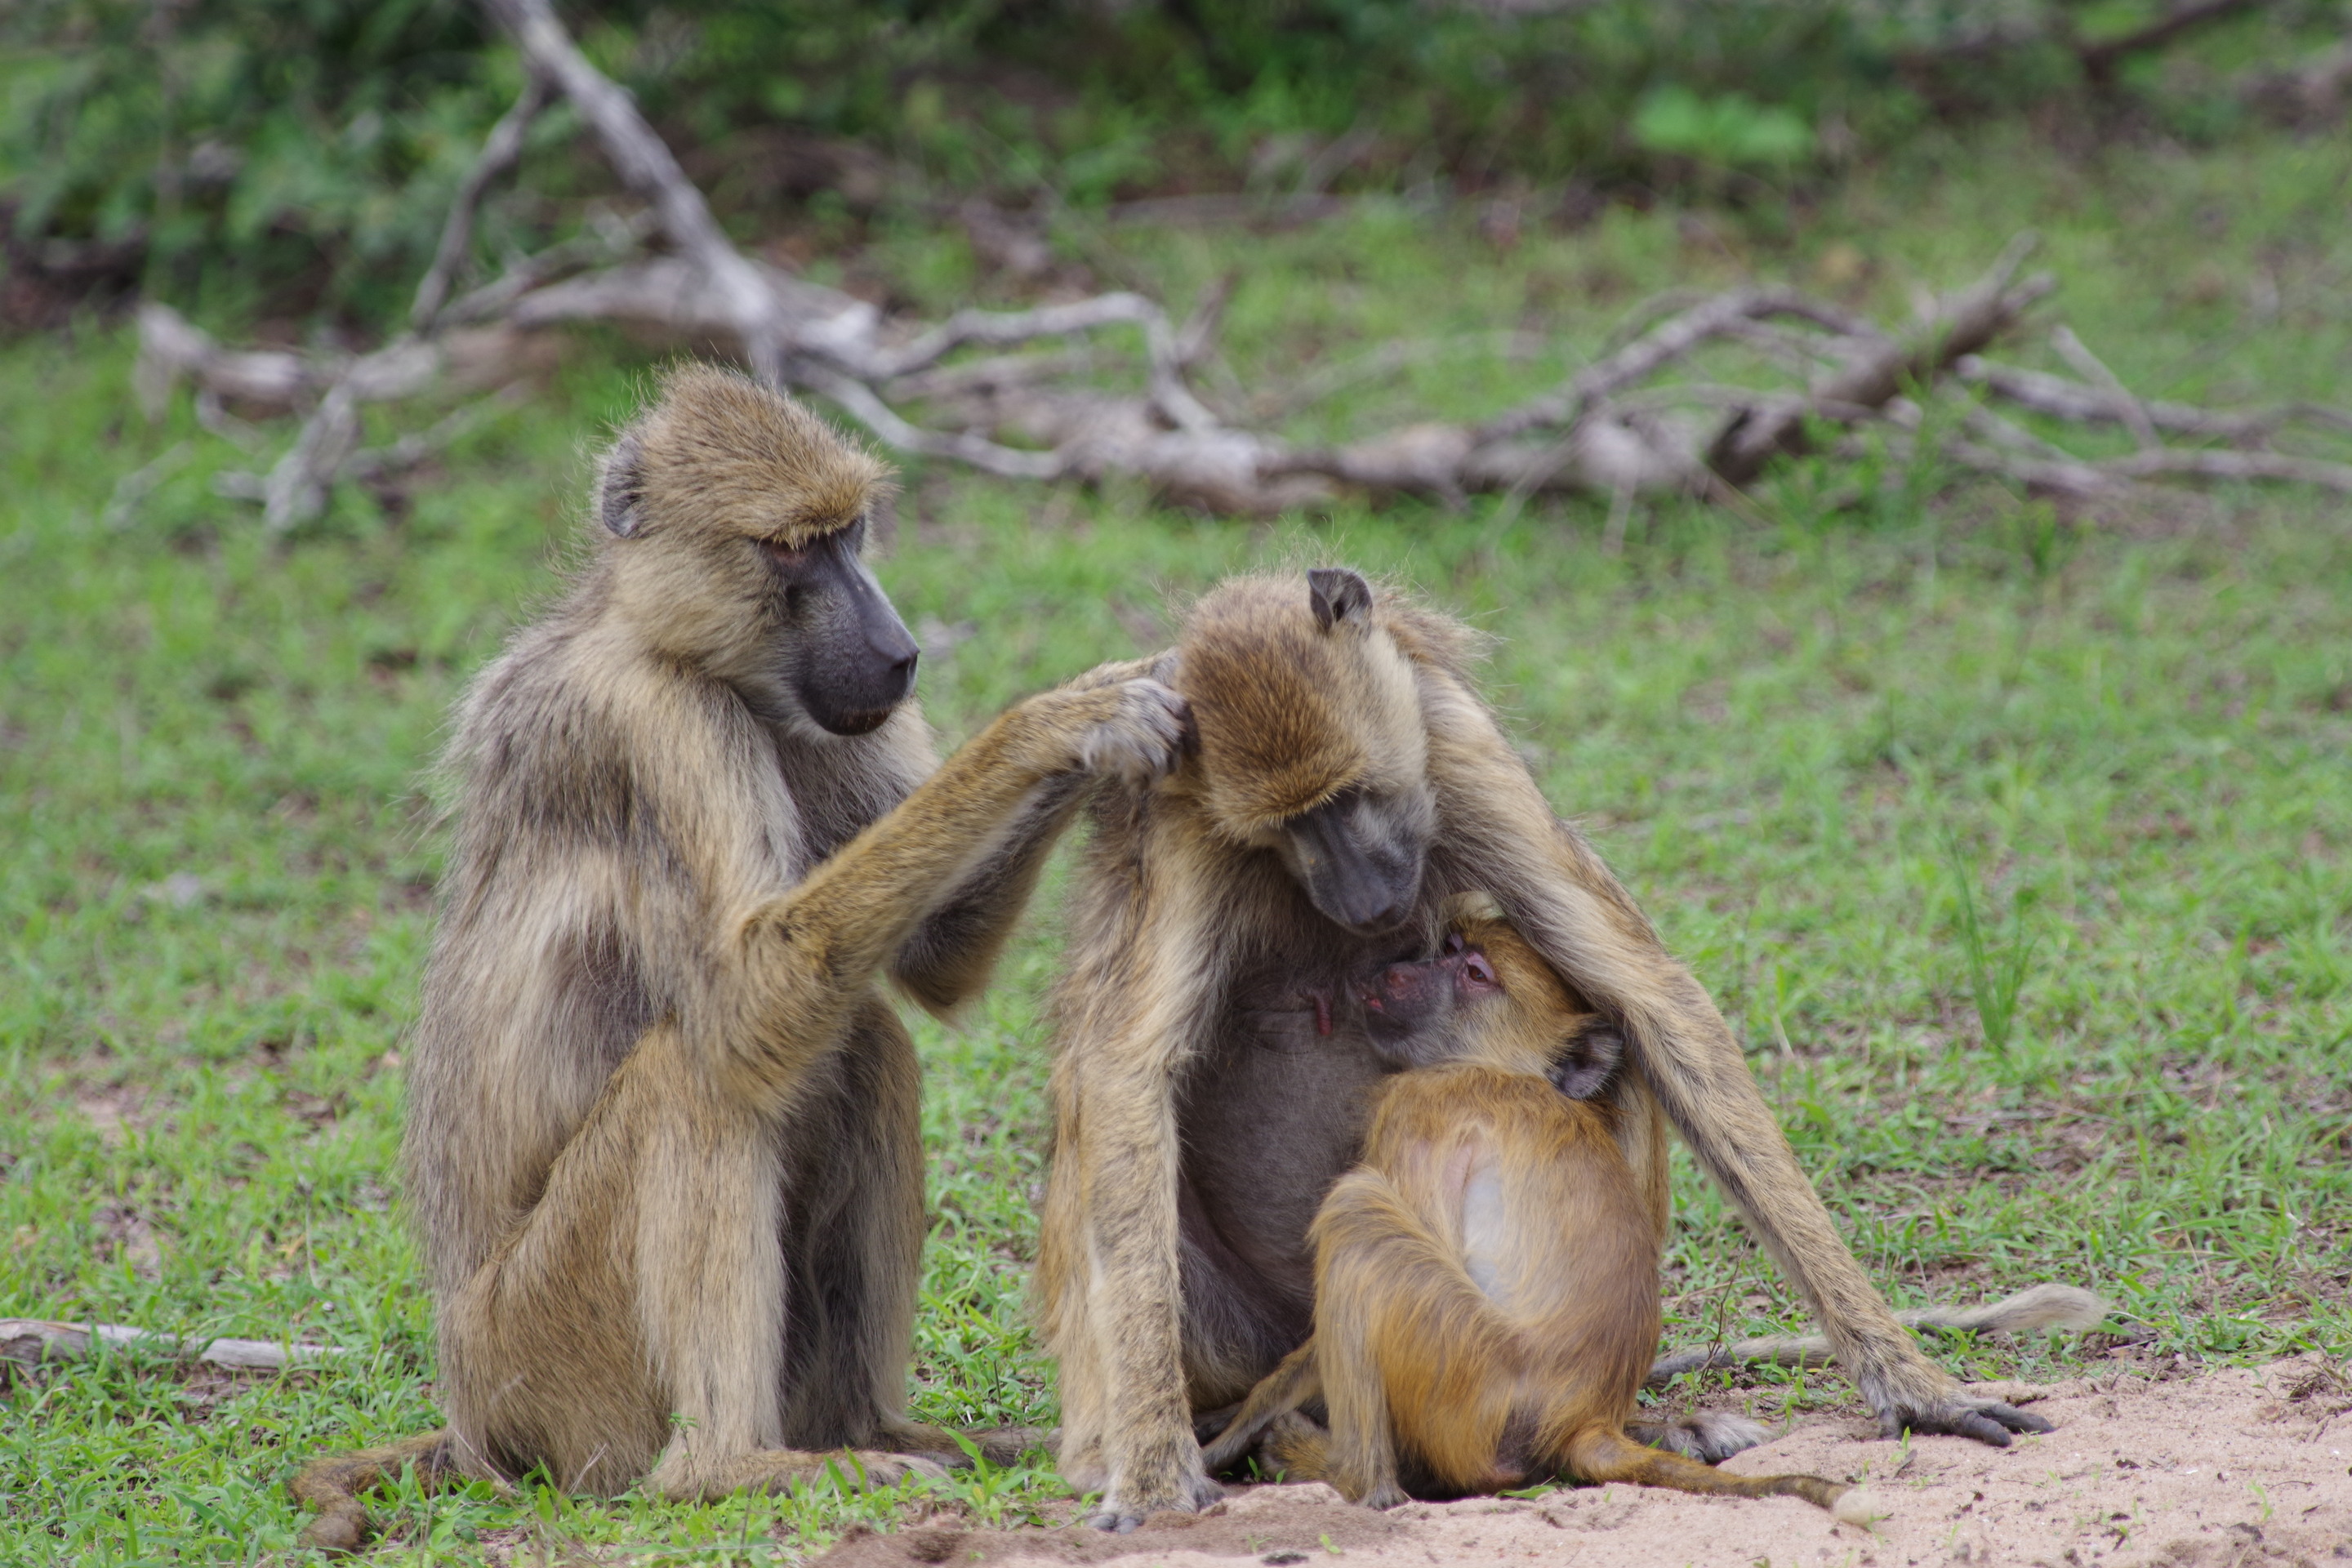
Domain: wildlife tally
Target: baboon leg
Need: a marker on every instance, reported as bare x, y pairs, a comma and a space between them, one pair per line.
333, 1485
856, 1231
1296, 1448
1109, 1277
1298, 1380
633, 1322
1599, 1454
856, 1260
1389, 1294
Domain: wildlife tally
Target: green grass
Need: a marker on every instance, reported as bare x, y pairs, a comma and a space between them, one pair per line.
2015, 848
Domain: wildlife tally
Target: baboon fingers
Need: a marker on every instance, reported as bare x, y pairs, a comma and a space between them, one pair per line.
1142, 739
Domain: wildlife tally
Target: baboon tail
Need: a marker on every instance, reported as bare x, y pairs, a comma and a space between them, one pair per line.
1601, 1454
333, 1485
2038, 1307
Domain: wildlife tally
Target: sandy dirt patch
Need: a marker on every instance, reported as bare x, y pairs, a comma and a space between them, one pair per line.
2234, 1470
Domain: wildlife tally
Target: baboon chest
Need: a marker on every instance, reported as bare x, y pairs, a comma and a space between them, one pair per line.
1270, 1115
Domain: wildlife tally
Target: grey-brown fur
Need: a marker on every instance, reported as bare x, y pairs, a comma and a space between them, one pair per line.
663, 1148
1201, 1110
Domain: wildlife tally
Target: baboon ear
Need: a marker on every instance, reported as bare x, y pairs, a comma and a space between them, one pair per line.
1338, 595
621, 489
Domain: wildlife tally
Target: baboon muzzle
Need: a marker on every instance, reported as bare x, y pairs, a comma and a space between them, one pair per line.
1355, 868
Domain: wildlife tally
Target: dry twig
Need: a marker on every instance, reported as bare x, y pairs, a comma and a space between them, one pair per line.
33, 1340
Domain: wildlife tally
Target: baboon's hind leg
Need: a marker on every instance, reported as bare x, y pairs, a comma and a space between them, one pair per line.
855, 1259
632, 1325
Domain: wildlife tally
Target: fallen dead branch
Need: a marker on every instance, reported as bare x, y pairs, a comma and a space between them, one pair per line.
1029, 405
30, 1342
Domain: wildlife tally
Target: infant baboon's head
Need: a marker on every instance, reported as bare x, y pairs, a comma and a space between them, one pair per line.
1488, 997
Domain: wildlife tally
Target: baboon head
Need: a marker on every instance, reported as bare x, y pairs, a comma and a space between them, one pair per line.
1312, 741
1490, 998
734, 524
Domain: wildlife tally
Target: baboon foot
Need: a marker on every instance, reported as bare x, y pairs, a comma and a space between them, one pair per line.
781, 1470
1128, 1504
997, 1445
1710, 1436
1963, 1415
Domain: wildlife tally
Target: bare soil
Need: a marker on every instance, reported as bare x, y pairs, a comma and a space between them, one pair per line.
2233, 1469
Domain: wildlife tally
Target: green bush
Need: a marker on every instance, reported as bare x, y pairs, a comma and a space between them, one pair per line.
299, 153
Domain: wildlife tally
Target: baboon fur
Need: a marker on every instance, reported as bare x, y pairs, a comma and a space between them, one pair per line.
663, 1148
1204, 1097
1486, 1277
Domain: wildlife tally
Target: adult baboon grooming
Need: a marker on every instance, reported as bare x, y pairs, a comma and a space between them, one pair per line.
1486, 1277
663, 1146
1348, 780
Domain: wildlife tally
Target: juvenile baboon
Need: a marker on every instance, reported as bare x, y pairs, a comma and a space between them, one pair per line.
1486, 1277
662, 1147
1347, 780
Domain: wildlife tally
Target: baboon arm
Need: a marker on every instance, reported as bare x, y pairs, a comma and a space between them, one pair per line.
806, 953
951, 955
1137, 1014
1504, 838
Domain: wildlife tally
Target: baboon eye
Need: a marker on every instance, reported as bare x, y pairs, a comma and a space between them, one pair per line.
1478, 971
784, 555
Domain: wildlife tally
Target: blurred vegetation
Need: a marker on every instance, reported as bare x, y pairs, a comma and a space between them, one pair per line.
291, 158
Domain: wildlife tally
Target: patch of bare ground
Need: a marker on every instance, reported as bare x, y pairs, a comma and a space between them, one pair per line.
2236, 1468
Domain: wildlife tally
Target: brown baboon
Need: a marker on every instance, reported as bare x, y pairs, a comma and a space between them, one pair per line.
662, 1147
1486, 1277
1347, 779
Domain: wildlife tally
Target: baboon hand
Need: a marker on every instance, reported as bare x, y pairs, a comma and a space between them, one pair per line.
1141, 737
1963, 1415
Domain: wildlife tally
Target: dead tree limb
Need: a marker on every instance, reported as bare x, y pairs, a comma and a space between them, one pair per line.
30, 1342
500, 151
1018, 410
2127, 408
1960, 325
2103, 59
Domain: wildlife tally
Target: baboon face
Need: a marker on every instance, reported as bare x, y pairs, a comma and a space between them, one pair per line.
838, 646
1312, 741
1359, 855
1422, 1011
737, 522
1489, 997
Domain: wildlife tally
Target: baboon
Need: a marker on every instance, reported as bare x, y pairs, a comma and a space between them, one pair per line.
663, 1148
1347, 779
1486, 1277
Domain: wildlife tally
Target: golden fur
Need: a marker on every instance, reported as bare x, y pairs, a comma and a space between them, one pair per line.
1203, 1105
1486, 1280
663, 1148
